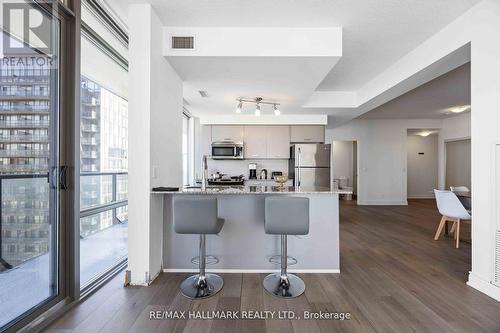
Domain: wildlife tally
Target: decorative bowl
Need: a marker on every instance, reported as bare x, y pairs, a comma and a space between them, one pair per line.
281, 180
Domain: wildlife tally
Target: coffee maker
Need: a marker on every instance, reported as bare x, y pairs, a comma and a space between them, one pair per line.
252, 168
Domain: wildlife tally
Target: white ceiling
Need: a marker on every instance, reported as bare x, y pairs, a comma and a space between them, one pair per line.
288, 81
430, 100
375, 35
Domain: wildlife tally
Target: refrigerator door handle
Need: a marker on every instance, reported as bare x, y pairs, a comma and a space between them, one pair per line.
299, 166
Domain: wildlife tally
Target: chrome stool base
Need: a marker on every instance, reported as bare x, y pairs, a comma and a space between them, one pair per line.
286, 286
196, 287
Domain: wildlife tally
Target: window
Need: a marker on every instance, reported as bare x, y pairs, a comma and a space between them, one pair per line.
103, 152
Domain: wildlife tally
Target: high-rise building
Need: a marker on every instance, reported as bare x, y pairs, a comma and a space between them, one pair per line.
24, 149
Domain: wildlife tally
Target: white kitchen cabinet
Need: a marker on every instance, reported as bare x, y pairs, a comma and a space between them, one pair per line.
278, 142
307, 133
227, 133
255, 142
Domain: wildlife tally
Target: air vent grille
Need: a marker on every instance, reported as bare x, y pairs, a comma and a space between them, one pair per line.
182, 42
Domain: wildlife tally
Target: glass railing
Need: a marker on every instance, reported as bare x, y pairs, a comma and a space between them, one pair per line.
103, 223
24, 222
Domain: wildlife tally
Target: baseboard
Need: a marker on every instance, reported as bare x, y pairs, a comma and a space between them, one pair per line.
383, 202
486, 287
230, 270
145, 283
424, 196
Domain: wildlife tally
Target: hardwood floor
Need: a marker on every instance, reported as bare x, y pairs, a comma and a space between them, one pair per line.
394, 278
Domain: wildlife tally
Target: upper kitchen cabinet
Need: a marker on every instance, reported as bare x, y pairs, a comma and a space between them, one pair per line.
255, 142
278, 142
307, 133
227, 133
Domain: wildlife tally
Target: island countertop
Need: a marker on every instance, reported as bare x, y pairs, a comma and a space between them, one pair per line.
254, 190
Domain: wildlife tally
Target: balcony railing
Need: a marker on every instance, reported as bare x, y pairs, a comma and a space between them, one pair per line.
23, 123
24, 153
24, 138
105, 208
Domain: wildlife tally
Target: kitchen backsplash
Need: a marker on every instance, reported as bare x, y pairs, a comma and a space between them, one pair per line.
236, 168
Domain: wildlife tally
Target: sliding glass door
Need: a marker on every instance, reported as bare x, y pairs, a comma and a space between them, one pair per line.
31, 176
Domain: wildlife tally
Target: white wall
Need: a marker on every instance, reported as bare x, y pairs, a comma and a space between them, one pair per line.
382, 156
422, 159
453, 128
155, 132
235, 168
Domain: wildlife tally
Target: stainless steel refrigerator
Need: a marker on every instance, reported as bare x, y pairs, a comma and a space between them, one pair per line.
309, 164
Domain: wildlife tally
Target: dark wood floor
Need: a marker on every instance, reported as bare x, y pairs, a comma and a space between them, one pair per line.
394, 278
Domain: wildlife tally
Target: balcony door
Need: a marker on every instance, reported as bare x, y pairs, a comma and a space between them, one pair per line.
31, 174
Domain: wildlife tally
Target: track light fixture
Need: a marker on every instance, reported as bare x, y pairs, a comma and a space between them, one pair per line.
257, 101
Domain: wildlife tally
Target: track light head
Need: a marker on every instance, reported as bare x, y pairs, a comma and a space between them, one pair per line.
277, 111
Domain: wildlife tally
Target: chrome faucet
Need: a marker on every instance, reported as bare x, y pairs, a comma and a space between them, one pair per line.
204, 172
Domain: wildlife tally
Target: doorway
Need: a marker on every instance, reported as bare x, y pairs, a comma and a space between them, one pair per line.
458, 163
422, 163
345, 168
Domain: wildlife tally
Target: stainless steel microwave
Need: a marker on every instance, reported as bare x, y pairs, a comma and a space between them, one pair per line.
227, 150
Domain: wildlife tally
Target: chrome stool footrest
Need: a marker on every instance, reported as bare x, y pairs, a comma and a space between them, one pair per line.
276, 259
209, 260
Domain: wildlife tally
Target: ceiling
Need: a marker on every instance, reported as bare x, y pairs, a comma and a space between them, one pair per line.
375, 35
429, 101
288, 81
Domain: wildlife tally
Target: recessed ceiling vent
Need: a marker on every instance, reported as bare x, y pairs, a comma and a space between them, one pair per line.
182, 42
203, 93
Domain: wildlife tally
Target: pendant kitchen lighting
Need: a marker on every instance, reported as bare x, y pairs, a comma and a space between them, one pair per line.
258, 101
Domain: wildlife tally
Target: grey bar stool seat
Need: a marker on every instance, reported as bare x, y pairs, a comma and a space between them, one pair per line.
285, 216
198, 215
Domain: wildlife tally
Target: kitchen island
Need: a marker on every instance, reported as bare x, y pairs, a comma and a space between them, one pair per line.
243, 245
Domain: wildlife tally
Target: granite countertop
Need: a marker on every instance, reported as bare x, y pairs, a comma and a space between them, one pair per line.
255, 190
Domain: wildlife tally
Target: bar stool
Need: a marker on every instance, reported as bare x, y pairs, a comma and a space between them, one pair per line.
285, 216
198, 215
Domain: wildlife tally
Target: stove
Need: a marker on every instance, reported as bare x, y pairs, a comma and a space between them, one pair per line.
227, 181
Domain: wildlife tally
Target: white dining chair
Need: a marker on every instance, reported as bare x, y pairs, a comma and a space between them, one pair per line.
451, 209
459, 189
